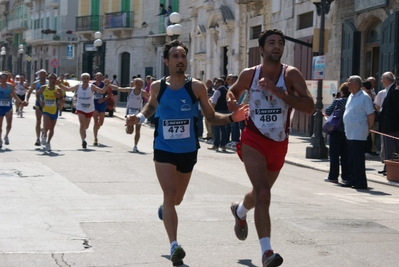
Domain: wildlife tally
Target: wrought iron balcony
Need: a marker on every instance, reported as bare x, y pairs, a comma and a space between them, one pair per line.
119, 20
88, 23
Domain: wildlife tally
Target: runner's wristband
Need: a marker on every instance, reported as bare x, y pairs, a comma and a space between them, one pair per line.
231, 117
141, 117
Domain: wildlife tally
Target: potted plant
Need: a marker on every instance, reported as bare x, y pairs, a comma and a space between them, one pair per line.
392, 167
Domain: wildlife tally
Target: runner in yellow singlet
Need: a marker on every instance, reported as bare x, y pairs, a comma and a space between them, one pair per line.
49, 103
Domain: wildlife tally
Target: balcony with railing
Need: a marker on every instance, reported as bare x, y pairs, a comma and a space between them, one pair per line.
18, 24
85, 24
119, 20
52, 3
34, 36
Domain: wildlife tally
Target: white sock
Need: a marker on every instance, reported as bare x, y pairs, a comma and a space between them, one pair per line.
174, 243
265, 244
241, 211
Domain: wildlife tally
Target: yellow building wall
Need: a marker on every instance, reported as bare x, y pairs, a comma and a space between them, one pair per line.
84, 8
138, 12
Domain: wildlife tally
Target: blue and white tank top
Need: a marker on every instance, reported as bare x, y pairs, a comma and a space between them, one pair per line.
99, 95
5, 97
175, 120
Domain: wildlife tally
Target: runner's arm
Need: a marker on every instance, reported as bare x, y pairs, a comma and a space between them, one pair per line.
211, 116
66, 88
237, 89
16, 97
32, 87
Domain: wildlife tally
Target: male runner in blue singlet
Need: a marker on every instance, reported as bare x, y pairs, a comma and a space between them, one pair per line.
174, 100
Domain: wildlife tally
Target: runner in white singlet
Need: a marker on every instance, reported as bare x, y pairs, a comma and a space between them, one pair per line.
20, 87
273, 89
85, 103
133, 105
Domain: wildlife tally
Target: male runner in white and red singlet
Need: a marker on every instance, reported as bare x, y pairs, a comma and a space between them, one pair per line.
274, 89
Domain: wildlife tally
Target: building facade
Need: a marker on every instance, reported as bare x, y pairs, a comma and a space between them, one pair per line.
45, 29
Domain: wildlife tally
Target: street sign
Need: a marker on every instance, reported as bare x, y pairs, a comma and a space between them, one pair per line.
318, 67
54, 63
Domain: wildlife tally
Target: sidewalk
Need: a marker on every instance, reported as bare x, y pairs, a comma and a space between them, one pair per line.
297, 155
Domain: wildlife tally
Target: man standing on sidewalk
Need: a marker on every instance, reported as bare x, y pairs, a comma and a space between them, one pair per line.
174, 100
219, 103
389, 116
358, 120
274, 88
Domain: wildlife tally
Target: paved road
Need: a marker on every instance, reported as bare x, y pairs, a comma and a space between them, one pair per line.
99, 208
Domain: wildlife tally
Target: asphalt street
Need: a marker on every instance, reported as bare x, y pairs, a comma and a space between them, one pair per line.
98, 207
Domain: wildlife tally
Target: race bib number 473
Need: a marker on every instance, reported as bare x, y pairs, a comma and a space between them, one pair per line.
176, 129
4, 103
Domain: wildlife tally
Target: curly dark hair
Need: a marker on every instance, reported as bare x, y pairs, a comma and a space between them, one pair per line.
171, 44
263, 35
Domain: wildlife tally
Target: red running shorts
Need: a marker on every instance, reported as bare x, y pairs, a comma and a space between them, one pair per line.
274, 152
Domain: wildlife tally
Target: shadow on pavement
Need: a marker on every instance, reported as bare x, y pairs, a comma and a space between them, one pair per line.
168, 257
246, 262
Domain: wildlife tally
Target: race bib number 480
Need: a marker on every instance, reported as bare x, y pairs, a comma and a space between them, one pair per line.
269, 118
176, 129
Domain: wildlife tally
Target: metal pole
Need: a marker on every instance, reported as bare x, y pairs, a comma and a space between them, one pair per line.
4, 62
98, 59
20, 63
318, 150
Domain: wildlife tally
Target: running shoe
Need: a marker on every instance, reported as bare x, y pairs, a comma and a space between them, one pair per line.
271, 259
48, 147
84, 144
135, 150
95, 142
6, 141
37, 142
241, 226
177, 255
44, 140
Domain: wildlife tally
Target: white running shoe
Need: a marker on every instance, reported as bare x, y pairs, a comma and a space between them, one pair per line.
135, 150
6, 141
44, 140
48, 147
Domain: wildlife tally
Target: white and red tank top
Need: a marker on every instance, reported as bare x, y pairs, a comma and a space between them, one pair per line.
85, 99
269, 115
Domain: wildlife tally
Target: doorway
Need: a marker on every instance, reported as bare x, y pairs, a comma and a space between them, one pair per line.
372, 51
125, 74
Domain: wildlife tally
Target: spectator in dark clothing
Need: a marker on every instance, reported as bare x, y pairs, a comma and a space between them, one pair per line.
338, 143
389, 116
219, 103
